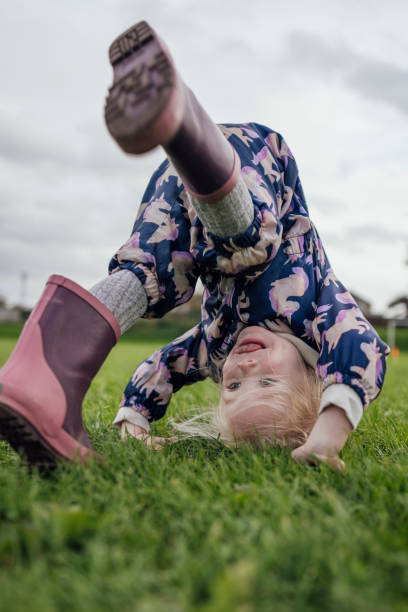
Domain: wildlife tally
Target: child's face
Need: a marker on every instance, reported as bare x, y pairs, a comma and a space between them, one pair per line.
257, 358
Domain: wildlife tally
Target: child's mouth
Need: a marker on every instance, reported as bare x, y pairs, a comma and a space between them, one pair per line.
249, 345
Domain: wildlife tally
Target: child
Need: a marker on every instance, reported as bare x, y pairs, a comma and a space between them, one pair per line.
226, 206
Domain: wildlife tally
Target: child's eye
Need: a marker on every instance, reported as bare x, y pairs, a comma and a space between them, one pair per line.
266, 382
234, 385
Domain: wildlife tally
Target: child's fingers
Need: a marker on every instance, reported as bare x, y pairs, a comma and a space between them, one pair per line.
159, 443
300, 455
333, 461
123, 431
129, 429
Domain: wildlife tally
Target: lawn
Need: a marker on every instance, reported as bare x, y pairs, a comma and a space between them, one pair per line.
204, 528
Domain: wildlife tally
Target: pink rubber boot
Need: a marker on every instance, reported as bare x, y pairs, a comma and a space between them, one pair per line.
149, 105
61, 348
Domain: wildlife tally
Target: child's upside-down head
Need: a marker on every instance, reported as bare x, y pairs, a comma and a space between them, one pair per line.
268, 393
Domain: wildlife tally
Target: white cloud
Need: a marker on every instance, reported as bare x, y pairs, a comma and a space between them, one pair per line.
378, 80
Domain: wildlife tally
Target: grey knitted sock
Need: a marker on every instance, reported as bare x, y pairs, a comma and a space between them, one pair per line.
229, 216
124, 295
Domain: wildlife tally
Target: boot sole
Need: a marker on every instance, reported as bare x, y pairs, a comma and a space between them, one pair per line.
32, 445
143, 104
26, 440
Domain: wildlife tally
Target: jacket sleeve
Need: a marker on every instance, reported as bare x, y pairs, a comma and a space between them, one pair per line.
149, 391
352, 355
158, 251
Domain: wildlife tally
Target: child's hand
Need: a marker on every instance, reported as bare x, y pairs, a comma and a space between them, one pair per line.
153, 442
313, 456
326, 439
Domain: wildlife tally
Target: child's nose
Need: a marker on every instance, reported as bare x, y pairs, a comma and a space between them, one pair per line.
247, 363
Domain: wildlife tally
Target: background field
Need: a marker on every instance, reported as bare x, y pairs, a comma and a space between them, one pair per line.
201, 527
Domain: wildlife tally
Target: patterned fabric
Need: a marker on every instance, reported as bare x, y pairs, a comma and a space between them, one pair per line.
276, 274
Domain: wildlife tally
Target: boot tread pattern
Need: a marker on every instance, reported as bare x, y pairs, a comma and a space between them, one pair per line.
146, 83
129, 41
25, 439
138, 86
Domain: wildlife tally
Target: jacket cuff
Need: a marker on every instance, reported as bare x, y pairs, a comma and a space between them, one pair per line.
128, 414
346, 398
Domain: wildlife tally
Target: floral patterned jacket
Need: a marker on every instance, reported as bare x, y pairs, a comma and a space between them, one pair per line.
276, 274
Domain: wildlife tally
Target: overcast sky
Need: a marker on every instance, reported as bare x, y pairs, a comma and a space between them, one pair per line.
331, 76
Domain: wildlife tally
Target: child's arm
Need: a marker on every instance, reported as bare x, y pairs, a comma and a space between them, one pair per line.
352, 358
351, 365
326, 439
149, 391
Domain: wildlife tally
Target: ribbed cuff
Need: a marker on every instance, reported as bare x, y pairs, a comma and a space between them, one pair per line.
124, 295
230, 216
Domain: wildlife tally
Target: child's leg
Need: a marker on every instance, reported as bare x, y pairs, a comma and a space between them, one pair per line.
230, 216
149, 105
124, 295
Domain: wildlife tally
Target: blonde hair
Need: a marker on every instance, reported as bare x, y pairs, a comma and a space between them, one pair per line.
291, 411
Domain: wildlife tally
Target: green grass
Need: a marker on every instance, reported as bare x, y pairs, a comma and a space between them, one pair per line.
204, 528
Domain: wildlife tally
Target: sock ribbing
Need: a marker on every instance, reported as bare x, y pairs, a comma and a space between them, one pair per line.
123, 293
231, 215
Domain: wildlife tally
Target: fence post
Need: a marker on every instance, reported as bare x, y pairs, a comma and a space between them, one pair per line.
391, 325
